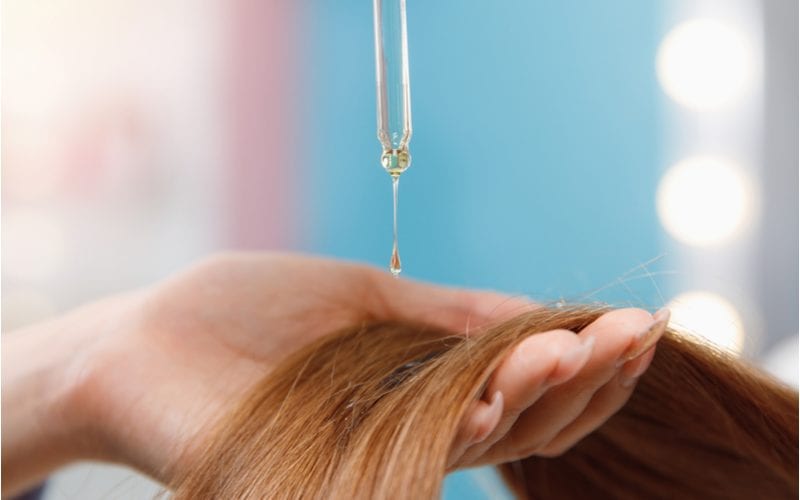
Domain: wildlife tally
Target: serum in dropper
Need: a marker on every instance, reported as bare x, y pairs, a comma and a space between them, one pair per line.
394, 99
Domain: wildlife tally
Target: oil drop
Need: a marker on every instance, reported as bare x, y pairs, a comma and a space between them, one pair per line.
394, 263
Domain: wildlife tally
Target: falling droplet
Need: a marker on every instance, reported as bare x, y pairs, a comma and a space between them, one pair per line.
394, 264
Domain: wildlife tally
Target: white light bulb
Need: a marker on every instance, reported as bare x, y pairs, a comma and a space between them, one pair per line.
704, 200
706, 64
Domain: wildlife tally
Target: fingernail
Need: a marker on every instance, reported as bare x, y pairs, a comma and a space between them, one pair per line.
628, 380
579, 353
647, 338
491, 418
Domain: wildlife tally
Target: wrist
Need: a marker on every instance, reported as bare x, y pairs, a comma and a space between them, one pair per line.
42, 427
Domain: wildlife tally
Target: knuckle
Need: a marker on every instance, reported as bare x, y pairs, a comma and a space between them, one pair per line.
561, 335
621, 322
559, 341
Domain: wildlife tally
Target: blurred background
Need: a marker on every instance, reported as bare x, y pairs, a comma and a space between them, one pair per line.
637, 153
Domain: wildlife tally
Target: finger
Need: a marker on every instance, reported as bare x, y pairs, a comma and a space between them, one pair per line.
605, 403
619, 333
538, 362
453, 309
480, 421
613, 396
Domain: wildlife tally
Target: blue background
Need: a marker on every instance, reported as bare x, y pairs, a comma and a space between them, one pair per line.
535, 150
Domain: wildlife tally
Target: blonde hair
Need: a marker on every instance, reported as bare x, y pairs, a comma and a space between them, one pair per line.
372, 412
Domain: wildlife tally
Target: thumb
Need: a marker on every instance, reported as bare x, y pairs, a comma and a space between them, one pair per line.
454, 309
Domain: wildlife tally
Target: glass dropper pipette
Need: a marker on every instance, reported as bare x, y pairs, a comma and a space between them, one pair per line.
394, 101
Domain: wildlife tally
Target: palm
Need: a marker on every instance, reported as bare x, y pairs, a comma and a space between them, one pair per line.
202, 339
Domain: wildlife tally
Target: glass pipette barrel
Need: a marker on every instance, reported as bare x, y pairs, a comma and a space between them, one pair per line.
391, 71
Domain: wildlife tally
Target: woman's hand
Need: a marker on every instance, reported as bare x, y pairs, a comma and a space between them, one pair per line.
556, 387
140, 378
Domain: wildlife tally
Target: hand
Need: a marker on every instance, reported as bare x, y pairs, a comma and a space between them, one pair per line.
556, 387
140, 378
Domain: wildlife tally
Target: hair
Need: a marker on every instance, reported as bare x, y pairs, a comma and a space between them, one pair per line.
372, 412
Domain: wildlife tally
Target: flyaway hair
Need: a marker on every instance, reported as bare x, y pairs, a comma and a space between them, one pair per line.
372, 412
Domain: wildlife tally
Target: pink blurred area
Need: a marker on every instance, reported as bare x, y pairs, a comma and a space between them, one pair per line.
264, 72
139, 136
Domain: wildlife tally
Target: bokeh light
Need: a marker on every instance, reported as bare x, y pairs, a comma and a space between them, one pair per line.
710, 317
704, 200
706, 64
